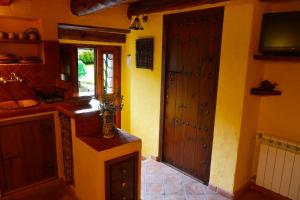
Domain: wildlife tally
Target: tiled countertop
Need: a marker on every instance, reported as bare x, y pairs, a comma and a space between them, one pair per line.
68, 109
86, 119
101, 144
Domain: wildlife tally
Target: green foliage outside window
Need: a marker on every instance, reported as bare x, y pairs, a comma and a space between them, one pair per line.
81, 69
87, 57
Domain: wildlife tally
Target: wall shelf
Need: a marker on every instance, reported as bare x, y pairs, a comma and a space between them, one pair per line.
276, 1
266, 93
18, 41
21, 64
276, 58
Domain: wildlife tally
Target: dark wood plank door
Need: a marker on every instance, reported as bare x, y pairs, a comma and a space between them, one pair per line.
192, 53
27, 152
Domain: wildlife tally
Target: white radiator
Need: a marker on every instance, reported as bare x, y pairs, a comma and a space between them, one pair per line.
278, 167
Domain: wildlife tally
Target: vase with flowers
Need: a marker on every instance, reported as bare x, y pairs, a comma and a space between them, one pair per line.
109, 106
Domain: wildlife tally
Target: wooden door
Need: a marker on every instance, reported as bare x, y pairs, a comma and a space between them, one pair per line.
192, 43
27, 152
113, 86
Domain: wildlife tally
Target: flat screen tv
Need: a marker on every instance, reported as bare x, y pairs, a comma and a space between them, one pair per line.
280, 34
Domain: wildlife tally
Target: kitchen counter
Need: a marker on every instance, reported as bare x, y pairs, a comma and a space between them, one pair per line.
86, 122
102, 144
66, 108
89, 150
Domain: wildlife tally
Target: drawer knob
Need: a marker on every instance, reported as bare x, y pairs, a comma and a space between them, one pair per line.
124, 185
124, 171
124, 198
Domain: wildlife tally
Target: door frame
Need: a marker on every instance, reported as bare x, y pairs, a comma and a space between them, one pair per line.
164, 74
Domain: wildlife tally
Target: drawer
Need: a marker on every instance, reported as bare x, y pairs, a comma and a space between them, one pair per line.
122, 185
122, 169
122, 189
121, 177
123, 196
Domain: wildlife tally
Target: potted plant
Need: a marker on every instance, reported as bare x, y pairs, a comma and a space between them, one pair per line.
109, 105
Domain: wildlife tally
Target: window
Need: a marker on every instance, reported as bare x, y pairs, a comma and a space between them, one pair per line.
92, 69
108, 73
86, 71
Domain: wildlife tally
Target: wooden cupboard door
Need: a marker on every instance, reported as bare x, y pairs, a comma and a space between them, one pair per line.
27, 152
13, 172
39, 150
193, 44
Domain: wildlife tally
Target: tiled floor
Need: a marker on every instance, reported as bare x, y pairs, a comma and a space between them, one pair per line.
161, 182
54, 190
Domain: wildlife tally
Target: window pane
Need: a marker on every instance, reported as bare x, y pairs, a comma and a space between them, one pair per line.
86, 71
108, 72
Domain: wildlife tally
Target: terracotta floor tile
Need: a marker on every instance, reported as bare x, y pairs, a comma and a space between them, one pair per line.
156, 188
174, 188
194, 188
195, 197
175, 197
215, 197
186, 179
172, 178
165, 182
154, 178
153, 197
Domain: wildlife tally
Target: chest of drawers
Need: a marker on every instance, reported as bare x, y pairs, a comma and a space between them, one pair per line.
121, 178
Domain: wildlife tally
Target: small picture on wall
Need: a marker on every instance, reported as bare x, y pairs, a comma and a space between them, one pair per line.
144, 53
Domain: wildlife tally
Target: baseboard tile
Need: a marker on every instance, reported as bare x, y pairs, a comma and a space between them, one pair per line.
155, 158
241, 191
221, 191
267, 192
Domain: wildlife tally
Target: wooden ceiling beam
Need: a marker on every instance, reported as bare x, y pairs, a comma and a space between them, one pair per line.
91, 33
85, 7
92, 28
151, 6
5, 2
277, 1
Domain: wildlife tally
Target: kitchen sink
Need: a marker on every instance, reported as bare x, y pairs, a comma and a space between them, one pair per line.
18, 104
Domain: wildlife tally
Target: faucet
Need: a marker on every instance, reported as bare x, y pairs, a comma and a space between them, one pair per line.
13, 78
2, 80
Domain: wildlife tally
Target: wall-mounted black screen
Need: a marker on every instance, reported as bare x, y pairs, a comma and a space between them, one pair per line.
280, 33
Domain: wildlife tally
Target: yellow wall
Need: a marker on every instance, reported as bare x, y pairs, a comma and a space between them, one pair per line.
239, 116
232, 80
52, 12
143, 88
249, 122
273, 115
279, 115
89, 166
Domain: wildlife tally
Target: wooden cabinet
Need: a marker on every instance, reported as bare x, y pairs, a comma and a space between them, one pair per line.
27, 152
121, 178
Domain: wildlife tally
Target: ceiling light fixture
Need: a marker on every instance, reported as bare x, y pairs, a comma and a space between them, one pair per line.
136, 24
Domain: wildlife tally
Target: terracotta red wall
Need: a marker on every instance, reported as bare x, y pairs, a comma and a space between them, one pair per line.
33, 75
